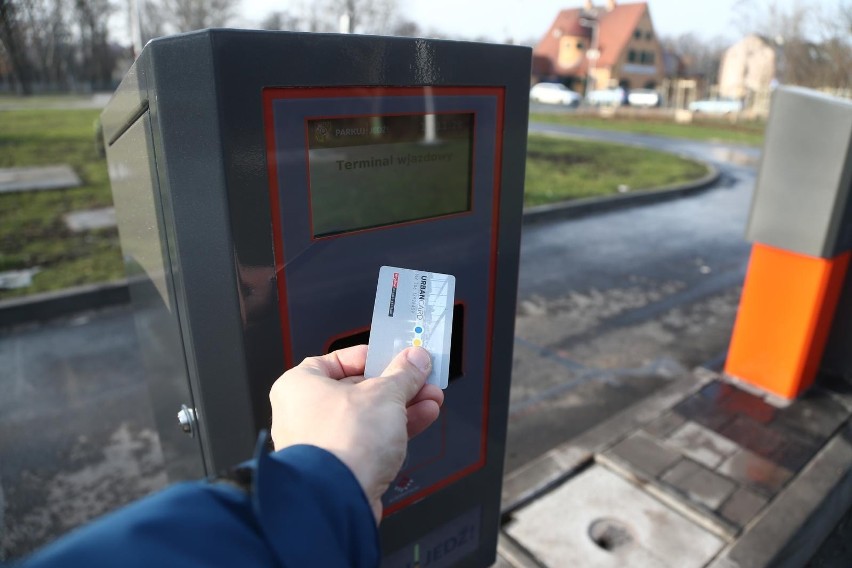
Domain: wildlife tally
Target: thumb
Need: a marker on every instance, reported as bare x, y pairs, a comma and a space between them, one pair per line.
407, 372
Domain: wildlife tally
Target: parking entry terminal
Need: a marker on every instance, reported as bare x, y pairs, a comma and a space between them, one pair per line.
261, 179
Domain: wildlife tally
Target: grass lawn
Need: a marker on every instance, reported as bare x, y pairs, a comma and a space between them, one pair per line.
42, 101
33, 233
559, 169
747, 132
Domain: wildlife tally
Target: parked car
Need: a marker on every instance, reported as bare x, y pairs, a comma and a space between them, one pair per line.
644, 98
716, 106
607, 97
554, 93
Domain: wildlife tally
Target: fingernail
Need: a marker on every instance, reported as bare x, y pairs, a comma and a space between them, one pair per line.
420, 358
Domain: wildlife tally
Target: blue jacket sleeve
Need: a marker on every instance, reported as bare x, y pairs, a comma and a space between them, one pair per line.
306, 509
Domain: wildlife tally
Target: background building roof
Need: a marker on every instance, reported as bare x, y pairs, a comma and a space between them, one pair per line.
615, 28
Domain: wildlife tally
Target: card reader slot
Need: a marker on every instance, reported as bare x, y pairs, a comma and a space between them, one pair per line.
456, 348
357, 338
457, 345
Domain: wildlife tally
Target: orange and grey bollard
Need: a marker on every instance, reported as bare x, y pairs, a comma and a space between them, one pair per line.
801, 226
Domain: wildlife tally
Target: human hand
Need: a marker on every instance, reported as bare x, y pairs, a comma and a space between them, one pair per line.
326, 402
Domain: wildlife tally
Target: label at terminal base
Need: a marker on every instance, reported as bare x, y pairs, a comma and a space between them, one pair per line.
444, 546
412, 308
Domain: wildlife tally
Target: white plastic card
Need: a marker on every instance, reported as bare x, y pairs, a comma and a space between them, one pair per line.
412, 308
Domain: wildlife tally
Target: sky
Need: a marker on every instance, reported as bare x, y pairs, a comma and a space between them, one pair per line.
525, 20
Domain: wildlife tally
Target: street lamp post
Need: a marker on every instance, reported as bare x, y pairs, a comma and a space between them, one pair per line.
136, 27
593, 53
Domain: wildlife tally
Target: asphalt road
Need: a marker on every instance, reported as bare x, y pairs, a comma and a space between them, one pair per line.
611, 307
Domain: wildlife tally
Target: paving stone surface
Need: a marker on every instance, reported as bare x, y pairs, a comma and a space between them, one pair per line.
664, 425
816, 414
742, 506
796, 451
754, 436
738, 402
37, 178
704, 411
699, 483
840, 390
702, 444
724, 450
645, 454
756, 472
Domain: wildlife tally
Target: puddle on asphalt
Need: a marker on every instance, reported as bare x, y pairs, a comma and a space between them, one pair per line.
736, 157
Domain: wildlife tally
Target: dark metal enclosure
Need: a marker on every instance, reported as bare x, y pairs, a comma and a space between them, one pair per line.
260, 181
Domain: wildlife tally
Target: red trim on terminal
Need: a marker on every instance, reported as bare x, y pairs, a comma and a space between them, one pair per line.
432, 459
269, 96
495, 238
377, 91
277, 233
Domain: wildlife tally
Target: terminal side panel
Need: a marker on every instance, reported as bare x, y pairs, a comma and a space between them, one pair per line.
132, 170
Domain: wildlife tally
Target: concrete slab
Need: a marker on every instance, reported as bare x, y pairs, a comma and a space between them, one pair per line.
12, 279
37, 178
90, 219
599, 519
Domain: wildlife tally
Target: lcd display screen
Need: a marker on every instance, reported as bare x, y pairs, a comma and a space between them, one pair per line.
373, 171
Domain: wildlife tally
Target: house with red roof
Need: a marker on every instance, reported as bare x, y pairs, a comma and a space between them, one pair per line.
598, 47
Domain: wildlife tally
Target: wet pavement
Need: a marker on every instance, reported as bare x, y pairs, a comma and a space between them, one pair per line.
76, 432
613, 306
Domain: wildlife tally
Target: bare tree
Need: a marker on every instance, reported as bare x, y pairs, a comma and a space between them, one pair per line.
13, 43
56, 41
406, 28
96, 57
41, 45
187, 15
279, 21
365, 16
699, 56
815, 41
58, 44
146, 19
771, 19
316, 17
